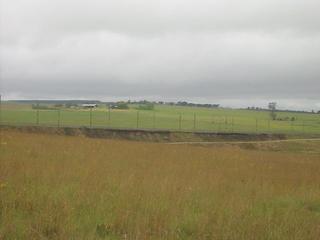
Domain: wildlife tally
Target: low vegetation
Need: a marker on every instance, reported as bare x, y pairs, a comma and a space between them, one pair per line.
146, 106
59, 187
160, 116
120, 105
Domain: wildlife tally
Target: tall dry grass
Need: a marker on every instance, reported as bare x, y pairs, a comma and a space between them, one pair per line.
57, 187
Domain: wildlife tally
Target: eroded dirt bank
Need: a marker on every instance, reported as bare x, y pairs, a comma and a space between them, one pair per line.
147, 135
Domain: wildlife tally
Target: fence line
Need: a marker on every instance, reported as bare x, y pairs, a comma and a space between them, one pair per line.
148, 119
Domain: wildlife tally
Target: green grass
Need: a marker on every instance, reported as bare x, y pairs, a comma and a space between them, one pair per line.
167, 117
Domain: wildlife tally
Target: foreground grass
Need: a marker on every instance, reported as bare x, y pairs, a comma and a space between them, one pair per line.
57, 187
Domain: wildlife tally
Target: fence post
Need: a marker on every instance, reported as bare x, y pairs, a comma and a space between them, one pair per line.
90, 117
154, 120
106, 115
232, 129
212, 122
0, 110
180, 121
37, 114
194, 121
269, 125
219, 124
0, 122
109, 116
58, 118
225, 123
256, 124
303, 129
138, 119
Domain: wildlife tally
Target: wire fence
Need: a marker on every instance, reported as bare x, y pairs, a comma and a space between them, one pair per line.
135, 119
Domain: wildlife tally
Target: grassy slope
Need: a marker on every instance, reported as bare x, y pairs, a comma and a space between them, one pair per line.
167, 117
57, 187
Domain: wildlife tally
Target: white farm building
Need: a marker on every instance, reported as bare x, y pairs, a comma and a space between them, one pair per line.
89, 105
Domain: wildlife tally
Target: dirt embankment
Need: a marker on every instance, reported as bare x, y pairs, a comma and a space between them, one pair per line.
147, 135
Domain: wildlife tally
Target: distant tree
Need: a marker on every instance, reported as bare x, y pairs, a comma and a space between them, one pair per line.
272, 108
120, 105
42, 107
70, 105
146, 106
57, 105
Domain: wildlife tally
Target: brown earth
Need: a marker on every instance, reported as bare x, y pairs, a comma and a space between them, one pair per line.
148, 135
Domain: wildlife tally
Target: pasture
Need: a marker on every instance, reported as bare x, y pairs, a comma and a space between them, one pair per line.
165, 117
62, 187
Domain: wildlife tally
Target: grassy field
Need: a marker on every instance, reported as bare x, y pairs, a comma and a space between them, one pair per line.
166, 117
59, 187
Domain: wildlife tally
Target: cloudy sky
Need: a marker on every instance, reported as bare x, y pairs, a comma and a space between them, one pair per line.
237, 53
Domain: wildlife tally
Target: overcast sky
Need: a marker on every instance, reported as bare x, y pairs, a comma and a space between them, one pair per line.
237, 53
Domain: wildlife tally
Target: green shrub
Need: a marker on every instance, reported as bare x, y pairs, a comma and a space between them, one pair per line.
146, 106
42, 107
120, 105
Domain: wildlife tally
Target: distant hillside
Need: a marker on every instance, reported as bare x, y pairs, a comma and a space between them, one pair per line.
55, 101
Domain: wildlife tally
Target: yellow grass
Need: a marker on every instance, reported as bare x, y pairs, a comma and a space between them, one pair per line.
58, 187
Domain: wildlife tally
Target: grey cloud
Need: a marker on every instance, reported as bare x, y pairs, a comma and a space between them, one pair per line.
154, 17
173, 49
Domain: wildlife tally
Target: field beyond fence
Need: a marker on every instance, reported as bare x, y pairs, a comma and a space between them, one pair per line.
163, 117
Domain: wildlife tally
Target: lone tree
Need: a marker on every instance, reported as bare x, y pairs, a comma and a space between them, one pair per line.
272, 107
